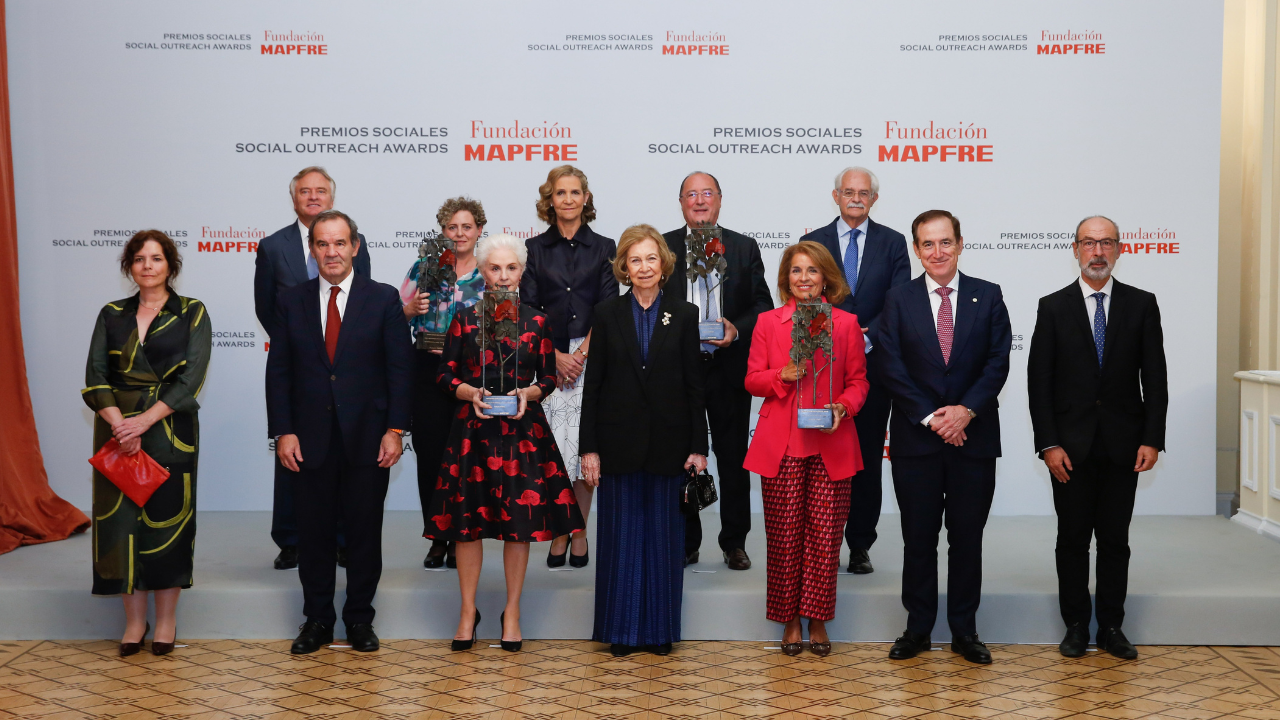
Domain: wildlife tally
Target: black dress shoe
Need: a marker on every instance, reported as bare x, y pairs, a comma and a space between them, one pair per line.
579, 561
663, 649
435, 556
362, 638
691, 558
127, 649
971, 648
459, 645
1076, 642
737, 559
288, 558
451, 559
1113, 641
860, 562
313, 636
342, 558
909, 645
620, 650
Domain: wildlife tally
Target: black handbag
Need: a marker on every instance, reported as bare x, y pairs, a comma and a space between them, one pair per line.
697, 491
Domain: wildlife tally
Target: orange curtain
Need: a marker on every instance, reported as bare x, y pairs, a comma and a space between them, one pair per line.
30, 512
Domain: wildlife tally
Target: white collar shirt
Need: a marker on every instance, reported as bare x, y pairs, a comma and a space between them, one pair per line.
1091, 304
306, 243
344, 292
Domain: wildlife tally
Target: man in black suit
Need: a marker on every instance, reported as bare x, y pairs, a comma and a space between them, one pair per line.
284, 260
874, 260
1098, 390
339, 395
944, 357
745, 296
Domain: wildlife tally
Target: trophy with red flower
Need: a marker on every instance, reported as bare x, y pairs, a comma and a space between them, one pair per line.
811, 332
437, 269
707, 269
500, 338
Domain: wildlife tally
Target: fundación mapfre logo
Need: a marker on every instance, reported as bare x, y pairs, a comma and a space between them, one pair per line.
1070, 42
228, 239
545, 141
935, 142
290, 42
694, 44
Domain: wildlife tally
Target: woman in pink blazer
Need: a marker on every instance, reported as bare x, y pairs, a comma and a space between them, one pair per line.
805, 473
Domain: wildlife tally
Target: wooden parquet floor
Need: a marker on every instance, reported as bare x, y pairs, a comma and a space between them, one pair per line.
576, 679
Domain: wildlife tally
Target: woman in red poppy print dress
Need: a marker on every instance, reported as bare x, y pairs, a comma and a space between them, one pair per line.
500, 477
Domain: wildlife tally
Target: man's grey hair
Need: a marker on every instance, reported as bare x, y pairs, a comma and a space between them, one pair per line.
490, 243
1097, 217
699, 172
875, 181
293, 183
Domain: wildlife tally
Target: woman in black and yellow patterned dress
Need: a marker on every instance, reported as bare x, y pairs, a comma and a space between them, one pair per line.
147, 361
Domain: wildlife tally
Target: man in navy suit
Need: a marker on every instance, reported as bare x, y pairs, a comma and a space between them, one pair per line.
874, 259
944, 356
284, 260
339, 395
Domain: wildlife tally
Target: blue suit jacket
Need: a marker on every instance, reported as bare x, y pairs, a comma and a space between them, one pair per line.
885, 265
910, 363
281, 264
369, 385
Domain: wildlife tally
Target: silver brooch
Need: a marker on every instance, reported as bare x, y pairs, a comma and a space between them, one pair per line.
666, 318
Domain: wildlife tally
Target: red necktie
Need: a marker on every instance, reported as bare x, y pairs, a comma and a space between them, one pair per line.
334, 323
946, 323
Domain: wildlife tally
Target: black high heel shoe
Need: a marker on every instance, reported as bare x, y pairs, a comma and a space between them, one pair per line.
435, 556
508, 645
579, 561
127, 649
555, 561
459, 645
451, 556
164, 648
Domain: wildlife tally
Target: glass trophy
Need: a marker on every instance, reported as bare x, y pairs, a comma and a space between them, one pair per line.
811, 332
499, 321
706, 270
437, 270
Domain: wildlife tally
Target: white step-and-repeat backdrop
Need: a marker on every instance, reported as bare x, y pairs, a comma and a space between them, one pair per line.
1020, 118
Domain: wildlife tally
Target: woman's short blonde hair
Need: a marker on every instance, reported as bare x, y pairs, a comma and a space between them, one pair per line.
630, 238
546, 212
834, 287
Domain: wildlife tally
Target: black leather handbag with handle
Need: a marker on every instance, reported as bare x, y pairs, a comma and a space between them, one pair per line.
697, 491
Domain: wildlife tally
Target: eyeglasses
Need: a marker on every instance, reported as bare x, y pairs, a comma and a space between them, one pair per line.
693, 194
848, 194
1106, 244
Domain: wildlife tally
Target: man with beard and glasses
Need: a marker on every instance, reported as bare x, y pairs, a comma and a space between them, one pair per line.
1098, 392
874, 260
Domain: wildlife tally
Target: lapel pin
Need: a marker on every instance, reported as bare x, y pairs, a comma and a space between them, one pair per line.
975, 299
666, 318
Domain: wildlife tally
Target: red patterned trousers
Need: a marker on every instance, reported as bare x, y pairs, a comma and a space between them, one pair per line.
804, 515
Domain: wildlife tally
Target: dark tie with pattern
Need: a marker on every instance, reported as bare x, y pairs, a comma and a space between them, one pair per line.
333, 324
1099, 324
946, 323
851, 260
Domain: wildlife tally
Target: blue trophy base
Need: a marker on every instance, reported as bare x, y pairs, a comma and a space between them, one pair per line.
710, 330
814, 418
502, 405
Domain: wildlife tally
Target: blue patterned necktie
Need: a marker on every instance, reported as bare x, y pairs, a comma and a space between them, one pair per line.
851, 260
1099, 324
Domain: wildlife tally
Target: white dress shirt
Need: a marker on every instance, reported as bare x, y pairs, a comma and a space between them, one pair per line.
935, 304
842, 235
344, 291
306, 243
1091, 305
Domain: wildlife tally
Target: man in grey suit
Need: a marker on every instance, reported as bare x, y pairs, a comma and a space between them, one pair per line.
284, 260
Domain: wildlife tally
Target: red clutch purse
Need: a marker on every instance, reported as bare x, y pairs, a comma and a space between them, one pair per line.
136, 475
